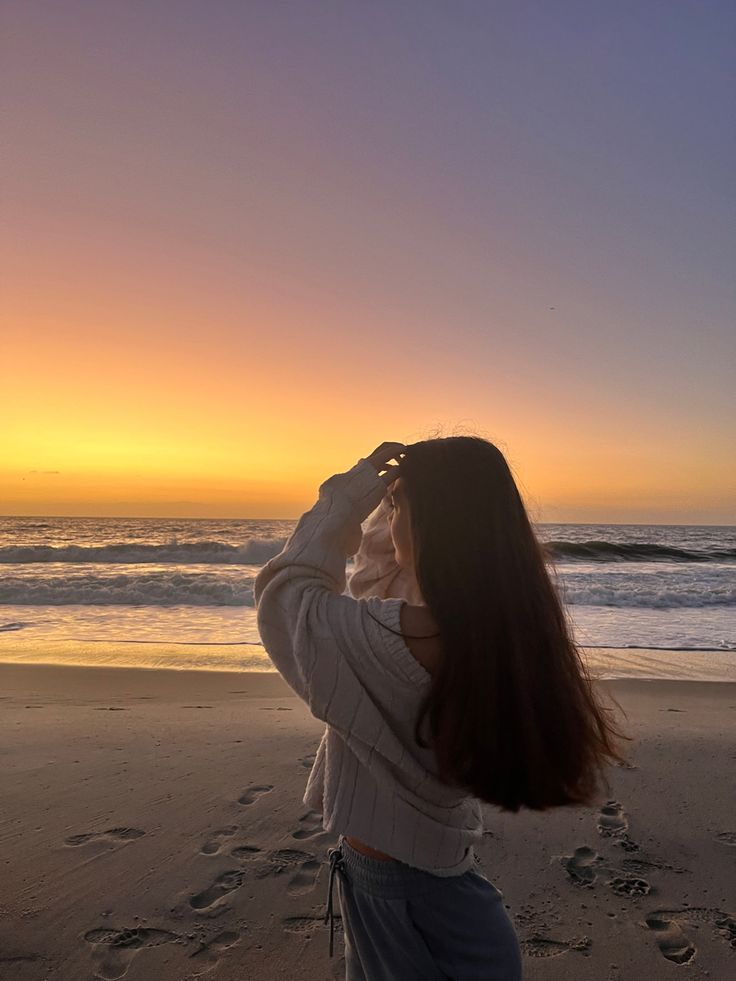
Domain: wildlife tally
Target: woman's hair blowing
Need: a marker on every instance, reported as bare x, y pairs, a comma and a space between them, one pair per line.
513, 716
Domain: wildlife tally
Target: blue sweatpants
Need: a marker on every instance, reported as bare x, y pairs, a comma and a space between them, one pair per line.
405, 924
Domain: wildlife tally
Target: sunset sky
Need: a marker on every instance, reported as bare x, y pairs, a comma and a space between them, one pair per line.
246, 242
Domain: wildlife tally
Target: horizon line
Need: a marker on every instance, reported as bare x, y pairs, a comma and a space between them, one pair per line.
174, 517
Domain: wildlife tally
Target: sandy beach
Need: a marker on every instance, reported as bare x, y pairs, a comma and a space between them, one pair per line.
152, 827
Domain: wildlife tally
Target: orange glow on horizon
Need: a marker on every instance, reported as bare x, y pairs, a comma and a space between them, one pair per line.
148, 426
144, 428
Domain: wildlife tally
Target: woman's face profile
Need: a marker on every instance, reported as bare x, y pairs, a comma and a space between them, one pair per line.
398, 518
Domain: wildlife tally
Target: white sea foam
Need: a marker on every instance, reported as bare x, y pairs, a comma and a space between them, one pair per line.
171, 579
256, 551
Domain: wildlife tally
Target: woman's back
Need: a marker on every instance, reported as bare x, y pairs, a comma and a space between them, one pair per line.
346, 657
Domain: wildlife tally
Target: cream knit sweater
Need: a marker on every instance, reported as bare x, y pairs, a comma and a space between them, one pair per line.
370, 778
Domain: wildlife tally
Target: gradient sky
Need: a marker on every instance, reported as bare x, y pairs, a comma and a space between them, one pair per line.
246, 242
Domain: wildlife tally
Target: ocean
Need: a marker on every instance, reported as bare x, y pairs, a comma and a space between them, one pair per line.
179, 592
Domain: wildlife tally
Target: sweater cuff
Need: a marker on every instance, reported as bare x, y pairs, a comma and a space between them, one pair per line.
361, 486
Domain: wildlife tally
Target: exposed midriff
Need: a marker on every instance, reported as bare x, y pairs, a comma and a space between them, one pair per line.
360, 846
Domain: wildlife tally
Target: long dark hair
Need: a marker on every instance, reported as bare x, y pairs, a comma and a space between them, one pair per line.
513, 715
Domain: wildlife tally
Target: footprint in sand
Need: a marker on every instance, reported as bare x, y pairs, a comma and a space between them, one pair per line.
726, 928
111, 708
252, 794
311, 825
308, 924
113, 834
225, 883
612, 820
114, 949
671, 940
724, 923
245, 851
629, 885
307, 761
206, 958
726, 837
214, 844
584, 865
287, 859
581, 865
305, 879
539, 946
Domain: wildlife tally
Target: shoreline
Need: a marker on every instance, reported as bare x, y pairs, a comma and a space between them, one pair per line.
604, 663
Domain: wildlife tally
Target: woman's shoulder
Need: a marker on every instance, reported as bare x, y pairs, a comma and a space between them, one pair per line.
417, 619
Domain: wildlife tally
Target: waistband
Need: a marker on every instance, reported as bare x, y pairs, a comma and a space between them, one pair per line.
389, 879
392, 879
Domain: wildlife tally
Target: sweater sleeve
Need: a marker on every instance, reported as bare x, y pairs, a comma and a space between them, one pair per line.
376, 571
314, 633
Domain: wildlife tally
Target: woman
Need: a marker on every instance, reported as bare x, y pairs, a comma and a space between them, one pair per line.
472, 692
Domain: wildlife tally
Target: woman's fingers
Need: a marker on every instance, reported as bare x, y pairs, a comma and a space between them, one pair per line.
382, 454
390, 475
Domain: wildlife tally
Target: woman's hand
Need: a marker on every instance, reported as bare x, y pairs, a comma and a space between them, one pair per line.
380, 459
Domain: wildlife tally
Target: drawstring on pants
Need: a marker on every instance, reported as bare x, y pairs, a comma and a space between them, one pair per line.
337, 863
